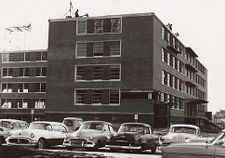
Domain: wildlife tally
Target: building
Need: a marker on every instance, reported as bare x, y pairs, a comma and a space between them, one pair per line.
123, 67
23, 84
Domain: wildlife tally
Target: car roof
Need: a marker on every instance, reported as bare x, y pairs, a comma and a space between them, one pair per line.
184, 125
104, 122
48, 122
136, 123
13, 120
73, 118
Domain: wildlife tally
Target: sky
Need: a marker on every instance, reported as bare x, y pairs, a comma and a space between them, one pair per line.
200, 23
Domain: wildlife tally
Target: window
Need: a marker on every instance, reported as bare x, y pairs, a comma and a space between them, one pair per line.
114, 48
39, 104
44, 56
21, 72
115, 25
99, 26
98, 49
43, 87
6, 87
80, 97
38, 71
27, 56
114, 97
81, 73
27, 72
38, 56
97, 96
44, 71
97, 73
7, 72
5, 57
81, 27
6, 103
163, 32
82, 49
115, 72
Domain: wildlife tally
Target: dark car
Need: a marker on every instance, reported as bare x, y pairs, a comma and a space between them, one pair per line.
134, 136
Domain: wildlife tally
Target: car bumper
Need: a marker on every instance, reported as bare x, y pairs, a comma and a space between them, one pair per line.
21, 142
79, 144
123, 147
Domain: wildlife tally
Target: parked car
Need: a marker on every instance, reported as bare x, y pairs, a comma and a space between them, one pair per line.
40, 134
134, 136
91, 134
179, 133
213, 149
7, 126
72, 123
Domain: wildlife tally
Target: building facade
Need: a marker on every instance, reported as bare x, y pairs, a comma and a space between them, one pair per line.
23, 84
121, 68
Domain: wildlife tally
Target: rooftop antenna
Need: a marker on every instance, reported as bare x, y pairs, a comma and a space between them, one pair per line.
69, 11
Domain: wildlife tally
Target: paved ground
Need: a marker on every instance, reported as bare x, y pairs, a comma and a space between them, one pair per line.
59, 152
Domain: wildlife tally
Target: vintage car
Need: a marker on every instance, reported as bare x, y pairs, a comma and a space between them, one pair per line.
72, 123
213, 149
91, 134
40, 134
179, 133
8, 126
134, 136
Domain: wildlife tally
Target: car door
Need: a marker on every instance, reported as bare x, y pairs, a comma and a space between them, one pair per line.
220, 150
148, 137
59, 132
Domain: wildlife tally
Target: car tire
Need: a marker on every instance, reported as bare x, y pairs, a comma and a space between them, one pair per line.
69, 148
153, 150
98, 145
41, 143
1, 141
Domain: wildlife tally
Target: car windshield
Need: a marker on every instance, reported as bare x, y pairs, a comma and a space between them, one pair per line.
92, 125
132, 128
5, 124
188, 130
44, 126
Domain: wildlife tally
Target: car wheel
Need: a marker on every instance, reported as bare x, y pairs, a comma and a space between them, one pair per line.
98, 145
69, 148
153, 150
1, 141
41, 143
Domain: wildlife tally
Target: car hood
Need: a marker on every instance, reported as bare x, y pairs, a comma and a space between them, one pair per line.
27, 132
183, 147
177, 137
85, 133
126, 135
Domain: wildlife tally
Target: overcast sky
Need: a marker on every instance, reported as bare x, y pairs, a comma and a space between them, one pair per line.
200, 23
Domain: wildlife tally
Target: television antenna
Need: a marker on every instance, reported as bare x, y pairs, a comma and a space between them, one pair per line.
70, 11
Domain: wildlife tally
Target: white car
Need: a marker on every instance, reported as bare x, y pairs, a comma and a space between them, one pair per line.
179, 133
91, 134
8, 126
40, 134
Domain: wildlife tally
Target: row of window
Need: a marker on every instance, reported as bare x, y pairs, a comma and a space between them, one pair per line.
98, 49
97, 96
23, 103
176, 64
23, 87
176, 103
176, 83
97, 72
173, 42
172, 81
172, 61
24, 72
24, 57
109, 25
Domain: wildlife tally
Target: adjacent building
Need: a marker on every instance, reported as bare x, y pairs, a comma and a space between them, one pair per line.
23, 84
123, 67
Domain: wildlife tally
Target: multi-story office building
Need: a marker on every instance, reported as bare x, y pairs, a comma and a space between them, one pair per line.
121, 67
23, 84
